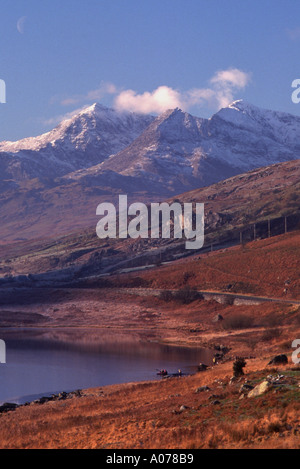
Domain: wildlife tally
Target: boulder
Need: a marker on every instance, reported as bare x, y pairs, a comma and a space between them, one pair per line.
77, 393
202, 367
216, 402
202, 389
44, 400
215, 398
218, 318
246, 388
7, 407
62, 396
279, 360
260, 389
183, 408
233, 380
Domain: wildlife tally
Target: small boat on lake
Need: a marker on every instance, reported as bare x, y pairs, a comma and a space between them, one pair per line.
162, 373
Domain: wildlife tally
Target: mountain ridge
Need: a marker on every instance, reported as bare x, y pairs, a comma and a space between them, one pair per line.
171, 154
183, 152
231, 206
78, 142
175, 149
37, 211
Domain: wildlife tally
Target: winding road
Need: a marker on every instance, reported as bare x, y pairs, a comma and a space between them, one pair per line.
214, 294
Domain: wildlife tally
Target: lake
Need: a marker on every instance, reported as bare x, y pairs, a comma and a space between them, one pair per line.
44, 362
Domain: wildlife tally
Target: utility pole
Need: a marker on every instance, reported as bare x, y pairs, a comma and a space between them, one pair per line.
285, 225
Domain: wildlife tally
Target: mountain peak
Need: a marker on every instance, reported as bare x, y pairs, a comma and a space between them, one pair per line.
95, 109
244, 107
84, 139
171, 113
176, 124
241, 105
174, 145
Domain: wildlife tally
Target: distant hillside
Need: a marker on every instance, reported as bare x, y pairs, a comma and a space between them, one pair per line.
52, 184
231, 207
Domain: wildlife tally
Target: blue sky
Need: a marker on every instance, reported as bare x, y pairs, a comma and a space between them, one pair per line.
57, 56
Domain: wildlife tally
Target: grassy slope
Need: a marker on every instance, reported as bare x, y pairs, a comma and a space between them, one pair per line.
264, 267
230, 206
146, 415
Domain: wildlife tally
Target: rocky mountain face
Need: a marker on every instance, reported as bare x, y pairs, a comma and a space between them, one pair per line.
82, 141
184, 152
176, 150
231, 207
54, 182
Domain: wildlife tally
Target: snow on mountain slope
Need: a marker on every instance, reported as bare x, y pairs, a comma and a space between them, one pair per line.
181, 151
281, 126
84, 140
176, 151
254, 137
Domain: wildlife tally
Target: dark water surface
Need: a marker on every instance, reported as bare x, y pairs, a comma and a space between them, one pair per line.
40, 363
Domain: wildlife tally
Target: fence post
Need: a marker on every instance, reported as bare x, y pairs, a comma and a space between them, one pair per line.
2, 351
285, 225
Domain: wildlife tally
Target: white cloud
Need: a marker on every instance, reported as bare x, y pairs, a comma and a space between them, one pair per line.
156, 101
199, 96
221, 91
224, 84
232, 77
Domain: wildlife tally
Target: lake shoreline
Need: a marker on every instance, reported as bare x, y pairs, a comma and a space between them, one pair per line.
162, 414
83, 358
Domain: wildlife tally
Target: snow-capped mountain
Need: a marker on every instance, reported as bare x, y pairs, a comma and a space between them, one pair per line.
183, 152
172, 153
82, 141
100, 153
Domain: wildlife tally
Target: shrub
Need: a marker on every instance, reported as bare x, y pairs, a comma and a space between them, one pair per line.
271, 334
187, 276
276, 427
238, 367
166, 295
271, 321
238, 321
187, 295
